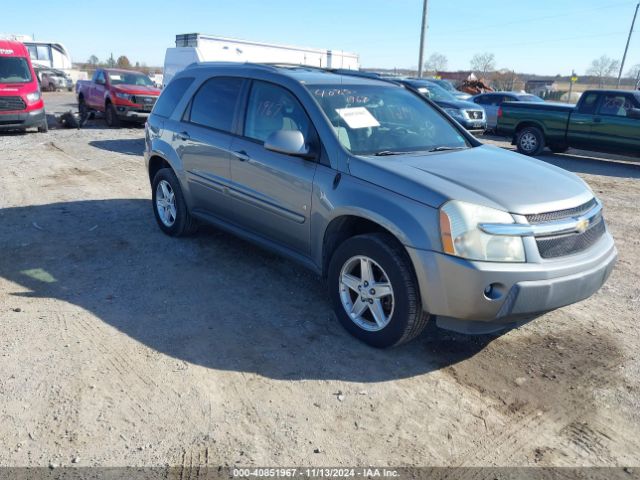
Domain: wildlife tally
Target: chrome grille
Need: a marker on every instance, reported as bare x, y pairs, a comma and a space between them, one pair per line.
145, 101
8, 104
553, 247
560, 214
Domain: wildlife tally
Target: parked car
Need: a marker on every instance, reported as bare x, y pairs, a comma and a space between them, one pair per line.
53, 80
404, 213
450, 87
469, 115
492, 101
21, 104
602, 121
123, 95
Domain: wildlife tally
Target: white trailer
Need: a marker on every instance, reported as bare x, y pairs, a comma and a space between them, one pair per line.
195, 47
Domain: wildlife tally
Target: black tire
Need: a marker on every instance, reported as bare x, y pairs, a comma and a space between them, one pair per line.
184, 223
111, 116
408, 319
530, 141
44, 126
558, 148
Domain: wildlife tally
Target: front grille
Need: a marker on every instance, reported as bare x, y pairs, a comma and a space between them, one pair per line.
561, 214
8, 104
552, 247
147, 102
475, 114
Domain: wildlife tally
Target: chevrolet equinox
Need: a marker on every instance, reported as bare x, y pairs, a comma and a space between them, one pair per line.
405, 214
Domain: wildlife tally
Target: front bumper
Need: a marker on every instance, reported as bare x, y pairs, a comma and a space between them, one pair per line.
132, 114
473, 125
454, 289
12, 121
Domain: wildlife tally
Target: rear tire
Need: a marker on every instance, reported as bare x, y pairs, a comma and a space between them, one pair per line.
530, 141
111, 116
402, 312
173, 216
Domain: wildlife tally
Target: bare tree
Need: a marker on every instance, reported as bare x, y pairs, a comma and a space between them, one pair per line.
436, 63
602, 68
93, 60
506, 80
483, 63
634, 74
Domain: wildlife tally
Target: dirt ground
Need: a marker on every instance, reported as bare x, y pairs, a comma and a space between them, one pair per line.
121, 346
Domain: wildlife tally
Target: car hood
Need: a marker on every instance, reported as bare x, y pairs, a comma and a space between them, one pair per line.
137, 90
458, 104
484, 175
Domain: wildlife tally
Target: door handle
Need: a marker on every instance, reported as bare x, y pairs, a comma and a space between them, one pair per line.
242, 156
184, 136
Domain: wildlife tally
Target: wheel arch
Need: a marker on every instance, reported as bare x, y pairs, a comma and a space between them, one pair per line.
348, 225
529, 123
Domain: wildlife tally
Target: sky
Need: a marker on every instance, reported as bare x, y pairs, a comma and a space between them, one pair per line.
546, 37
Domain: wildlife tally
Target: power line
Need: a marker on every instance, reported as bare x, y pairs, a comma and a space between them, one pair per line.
535, 19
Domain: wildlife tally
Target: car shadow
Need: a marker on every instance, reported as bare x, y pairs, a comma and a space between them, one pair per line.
210, 300
128, 146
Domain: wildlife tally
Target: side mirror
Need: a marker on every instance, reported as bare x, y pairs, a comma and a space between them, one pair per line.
634, 113
288, 142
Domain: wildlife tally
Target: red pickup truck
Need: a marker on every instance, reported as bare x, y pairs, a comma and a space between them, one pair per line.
123, 95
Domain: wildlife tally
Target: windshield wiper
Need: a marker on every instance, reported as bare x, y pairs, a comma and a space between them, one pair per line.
445, 149
386, 153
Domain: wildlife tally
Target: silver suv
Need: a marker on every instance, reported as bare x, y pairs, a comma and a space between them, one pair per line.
406, 215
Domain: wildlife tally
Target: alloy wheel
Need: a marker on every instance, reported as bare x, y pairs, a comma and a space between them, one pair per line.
166, 203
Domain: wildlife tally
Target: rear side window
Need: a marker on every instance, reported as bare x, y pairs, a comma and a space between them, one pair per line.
171, 96
215, 102
589, 103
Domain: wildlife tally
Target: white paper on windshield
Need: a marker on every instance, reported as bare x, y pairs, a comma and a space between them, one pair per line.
357, 117
115, 77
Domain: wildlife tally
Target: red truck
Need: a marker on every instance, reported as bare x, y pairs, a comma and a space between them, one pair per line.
21, 104
123, 95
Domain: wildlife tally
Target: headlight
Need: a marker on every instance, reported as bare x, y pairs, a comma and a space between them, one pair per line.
124, 96
34, 96
454, 112
462, 237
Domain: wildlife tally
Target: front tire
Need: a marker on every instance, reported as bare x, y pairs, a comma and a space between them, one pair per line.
111, 116
169, 206
530, 141
374, 291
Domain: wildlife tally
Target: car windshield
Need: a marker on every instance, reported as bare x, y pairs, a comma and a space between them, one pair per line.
385, 120
14, 70
435, 92
446, 85
530, 98
129, 78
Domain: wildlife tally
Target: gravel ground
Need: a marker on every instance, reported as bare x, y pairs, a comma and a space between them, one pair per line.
121, 346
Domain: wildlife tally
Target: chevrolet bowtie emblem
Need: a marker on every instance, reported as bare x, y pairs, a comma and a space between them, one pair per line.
582, 225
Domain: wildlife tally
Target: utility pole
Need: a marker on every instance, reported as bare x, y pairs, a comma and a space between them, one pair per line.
423, 31
624, 57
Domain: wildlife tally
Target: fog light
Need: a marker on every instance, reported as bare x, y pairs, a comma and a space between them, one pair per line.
494, 291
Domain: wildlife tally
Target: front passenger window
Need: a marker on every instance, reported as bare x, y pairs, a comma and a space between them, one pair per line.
272, 108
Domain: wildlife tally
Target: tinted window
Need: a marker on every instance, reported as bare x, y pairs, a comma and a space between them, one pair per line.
215, 102
272, 108
531, 98
482, 100
369, 119
14, 70
100, 77
588, 103
171, 96
615, 105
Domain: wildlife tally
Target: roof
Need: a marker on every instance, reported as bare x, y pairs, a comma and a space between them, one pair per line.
17, 47
121, 70
303, 74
